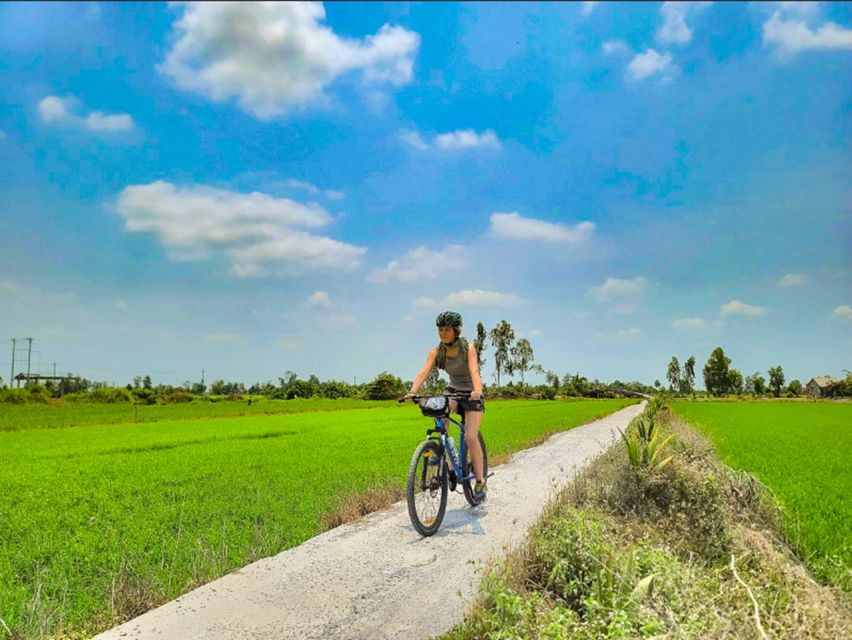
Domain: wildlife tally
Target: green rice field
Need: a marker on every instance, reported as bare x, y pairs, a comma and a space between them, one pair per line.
802, 451
100, 521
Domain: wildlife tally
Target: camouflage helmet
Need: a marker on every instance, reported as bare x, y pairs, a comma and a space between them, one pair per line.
448, 319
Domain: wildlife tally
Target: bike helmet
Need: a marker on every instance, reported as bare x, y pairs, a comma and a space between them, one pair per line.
448, 319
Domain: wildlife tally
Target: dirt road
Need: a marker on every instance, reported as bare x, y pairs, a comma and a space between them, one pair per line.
378, 578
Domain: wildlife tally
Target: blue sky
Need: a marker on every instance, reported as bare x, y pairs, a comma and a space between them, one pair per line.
247, 189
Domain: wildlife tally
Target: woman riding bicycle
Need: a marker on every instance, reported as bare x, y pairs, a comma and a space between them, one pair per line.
458, 358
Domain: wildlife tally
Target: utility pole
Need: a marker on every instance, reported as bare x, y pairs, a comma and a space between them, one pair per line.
54, 369
202, 382
29, 357
12, 376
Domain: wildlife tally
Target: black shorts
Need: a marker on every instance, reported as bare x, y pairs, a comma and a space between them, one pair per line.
468, 405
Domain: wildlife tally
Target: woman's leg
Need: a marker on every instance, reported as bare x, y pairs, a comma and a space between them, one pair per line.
472, 421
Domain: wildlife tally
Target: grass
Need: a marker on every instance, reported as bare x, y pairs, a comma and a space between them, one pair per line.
801, 451
102, 522
60, 413
692, 551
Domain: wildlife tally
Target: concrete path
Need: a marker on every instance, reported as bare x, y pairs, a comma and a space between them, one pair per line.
378, 578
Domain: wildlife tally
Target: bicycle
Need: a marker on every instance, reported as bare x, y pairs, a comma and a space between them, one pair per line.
436, 466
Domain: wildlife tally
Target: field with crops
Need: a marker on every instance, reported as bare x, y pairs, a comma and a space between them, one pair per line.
102, 521
801, 451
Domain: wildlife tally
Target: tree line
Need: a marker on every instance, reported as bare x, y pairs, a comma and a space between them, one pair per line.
721, 379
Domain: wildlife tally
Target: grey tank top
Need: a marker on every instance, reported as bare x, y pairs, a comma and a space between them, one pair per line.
459, 372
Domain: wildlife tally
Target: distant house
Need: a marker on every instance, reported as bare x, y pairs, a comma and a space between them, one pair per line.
817, 386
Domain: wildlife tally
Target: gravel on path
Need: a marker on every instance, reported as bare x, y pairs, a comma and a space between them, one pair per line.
378, 578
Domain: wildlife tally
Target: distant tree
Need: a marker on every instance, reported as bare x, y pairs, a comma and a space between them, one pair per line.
502, 337
522, 357
688, 380
479, 344
657, 384
776, 380
552, 379
146, 382
794, 388
756, 384
673, 374
217, 387
433, 385
386, 386
137, 382
716, 372
735, 381
198, 388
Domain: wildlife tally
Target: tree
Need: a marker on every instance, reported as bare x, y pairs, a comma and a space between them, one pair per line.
522, 357
552, 379
433, 384
735, 381
673, 374
756, 384
657, 384
479, 344
688, 380
502, 337
137, 382
716, 379
386, 386
794, 388
776, 380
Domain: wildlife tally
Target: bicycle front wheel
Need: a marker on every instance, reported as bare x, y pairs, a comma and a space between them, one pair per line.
426, 488
468, 485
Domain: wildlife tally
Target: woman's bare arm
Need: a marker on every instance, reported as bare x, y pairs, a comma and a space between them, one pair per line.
473, 365
430, 362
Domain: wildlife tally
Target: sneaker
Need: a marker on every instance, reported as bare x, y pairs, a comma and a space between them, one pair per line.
479, 491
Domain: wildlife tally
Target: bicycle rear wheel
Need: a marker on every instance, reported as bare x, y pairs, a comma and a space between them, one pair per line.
426, 488
468, 485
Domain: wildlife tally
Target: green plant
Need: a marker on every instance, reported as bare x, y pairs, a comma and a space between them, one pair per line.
644, 447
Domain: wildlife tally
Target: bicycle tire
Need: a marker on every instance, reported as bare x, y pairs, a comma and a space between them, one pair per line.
468, 485
421, 476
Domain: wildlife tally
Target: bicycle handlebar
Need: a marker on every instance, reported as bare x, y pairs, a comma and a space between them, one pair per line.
453, 396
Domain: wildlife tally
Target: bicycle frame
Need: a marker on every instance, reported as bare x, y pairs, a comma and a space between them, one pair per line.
452, 463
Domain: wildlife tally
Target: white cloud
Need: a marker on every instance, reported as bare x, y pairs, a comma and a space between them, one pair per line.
625, 335
615, 48
420, 264
225, 339
319, 299
644, 65
56, 110
534, 333
2, 135
587, 7
674, 29
289, 345
793, 280
689, 324
256, 231
616, 288
735, 307
275, 56
514, 226
314, 190
465, 139
450, 141
843, 311
792, 36
470, 298
622, 309
338, 320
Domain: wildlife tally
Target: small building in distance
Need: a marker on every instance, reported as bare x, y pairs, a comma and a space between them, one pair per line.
817, 386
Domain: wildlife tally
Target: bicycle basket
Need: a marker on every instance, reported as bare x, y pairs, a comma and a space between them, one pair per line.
434, 407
